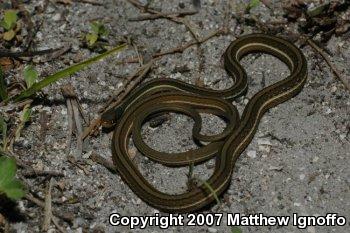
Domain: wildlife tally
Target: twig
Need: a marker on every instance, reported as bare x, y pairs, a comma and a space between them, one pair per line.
35, 173
68, 217
57, 225
73, 117
92, 2
55, 54
70, 124
170, 17
102, 161
163, 15
78, 126
7, 53
48, 207
44, 119
180, 48
333, 68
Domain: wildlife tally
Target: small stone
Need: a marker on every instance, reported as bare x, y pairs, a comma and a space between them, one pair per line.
302, 176
39, 36
251, 154
264, 141
297, 204
39, 166
63, 27
212, 230
78, 57
342, 136
64, 111
87, 155
328, 111
265, 148
132, 153
276, 168
315, 159
333, 89
311, 229
56, 17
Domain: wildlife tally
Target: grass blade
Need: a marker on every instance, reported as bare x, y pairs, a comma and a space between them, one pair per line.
207, 185
3, 92
64, 73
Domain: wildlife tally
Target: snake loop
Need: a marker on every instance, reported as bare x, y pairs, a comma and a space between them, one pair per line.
163, 95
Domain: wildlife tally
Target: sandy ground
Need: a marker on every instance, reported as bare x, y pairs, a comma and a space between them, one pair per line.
297, 162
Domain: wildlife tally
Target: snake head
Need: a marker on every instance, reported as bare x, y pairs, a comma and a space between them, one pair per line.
111, 116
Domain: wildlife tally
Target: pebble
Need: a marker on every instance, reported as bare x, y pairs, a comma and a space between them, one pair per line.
251, 154
311, 229
56, 17
328, 111
132, 153
301, 176
64, 111
276, 168
264, 141
212, 230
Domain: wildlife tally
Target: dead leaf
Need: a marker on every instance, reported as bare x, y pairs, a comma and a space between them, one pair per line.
6, 63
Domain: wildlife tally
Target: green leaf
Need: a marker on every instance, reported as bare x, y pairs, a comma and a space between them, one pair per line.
14, 190
65, 73
30, 75
10, 19
7, 170
236, 230
98, 28
103, 31
24, 118
3, 90
26, 115
91, 38
9, 35
253, 3
9, 185
95, 27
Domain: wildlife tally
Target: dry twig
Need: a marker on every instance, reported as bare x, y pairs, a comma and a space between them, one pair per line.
163, 15
333, 68
48, 207
92, 2
104, 162
73, 117
7, 53
68, 217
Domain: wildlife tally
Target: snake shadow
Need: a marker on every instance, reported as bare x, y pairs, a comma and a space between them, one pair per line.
10, 210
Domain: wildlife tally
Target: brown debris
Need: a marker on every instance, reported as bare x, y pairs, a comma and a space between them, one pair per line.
74, 122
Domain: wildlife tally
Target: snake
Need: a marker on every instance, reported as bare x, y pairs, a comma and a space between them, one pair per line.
162, 95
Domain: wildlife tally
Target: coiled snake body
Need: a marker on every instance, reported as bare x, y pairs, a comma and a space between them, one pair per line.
164, 95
